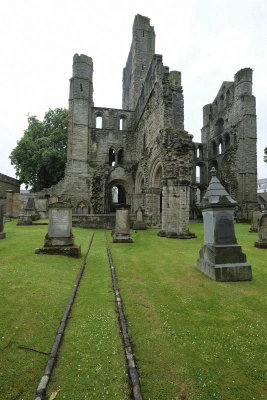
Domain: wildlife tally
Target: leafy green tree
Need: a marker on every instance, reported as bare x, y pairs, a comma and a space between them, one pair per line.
265, 154
41, 154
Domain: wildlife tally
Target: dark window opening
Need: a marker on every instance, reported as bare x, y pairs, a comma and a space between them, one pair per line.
143, 33
120, 156
214, 148
81, 87
227, 141
118, 196
111, 157
219, 126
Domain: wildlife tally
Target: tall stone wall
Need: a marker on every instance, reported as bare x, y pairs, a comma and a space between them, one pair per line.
229, 138
138, 62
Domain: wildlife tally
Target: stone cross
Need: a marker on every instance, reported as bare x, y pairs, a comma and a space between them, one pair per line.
2, 233
220, 257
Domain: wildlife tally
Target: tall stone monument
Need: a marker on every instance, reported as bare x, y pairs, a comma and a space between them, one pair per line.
59, 239
262, 231
2, 233
122, 232
221, 258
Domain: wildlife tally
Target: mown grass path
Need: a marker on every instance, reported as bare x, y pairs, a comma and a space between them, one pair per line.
194, 338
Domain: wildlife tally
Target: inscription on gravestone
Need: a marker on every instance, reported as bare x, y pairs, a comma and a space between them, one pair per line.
60, 223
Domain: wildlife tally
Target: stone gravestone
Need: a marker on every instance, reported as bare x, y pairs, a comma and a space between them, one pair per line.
262, 233
59, 239
139, 223
255, 221
221, 258
122, 232
2, 233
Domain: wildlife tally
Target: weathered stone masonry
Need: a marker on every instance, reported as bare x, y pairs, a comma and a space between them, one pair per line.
143, 149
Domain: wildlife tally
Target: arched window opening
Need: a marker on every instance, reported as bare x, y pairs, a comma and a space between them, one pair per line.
220, 148
157, 177
198, 174
227, 141
115, 194
120, 156
99, 122
111, 157
122, 123
219, 126
118, 196
198, 152
82, 209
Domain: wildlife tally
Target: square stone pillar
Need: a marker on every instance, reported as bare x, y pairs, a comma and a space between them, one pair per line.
221, 258
175, 210
9, 203
122, 227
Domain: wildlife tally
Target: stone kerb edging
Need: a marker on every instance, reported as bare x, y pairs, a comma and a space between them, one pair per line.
41, 389
132, 370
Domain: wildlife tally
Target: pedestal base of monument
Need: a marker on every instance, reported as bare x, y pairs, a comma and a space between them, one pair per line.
175, 235
122, 238
70, 251
261, 245
2, 235
139, 226
224, 263
24, 220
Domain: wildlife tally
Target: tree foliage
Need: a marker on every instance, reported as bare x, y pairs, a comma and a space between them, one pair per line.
265, 154
41, 154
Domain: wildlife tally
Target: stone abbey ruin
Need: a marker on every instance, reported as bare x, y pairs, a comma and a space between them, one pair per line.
143, 155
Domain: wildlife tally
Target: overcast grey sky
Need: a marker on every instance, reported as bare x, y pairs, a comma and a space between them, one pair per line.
207, 40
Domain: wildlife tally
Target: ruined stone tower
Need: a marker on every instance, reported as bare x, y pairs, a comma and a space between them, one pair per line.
142, 155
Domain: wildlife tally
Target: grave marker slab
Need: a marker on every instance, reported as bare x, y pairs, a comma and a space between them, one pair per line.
262, 233
59, 239
122, 227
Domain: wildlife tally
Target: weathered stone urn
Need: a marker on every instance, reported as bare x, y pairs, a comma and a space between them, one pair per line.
221, 257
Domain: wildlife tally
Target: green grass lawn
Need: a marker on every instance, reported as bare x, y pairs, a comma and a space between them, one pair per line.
193, 338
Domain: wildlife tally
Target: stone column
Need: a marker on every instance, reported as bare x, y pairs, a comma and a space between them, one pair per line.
9, 203
175, 209
122, 228
2, 234
221, 258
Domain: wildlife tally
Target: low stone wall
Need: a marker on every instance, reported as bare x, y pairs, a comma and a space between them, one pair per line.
98, 221
94, 221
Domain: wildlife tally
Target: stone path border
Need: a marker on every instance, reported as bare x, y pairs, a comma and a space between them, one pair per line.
41, 390
132, 370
